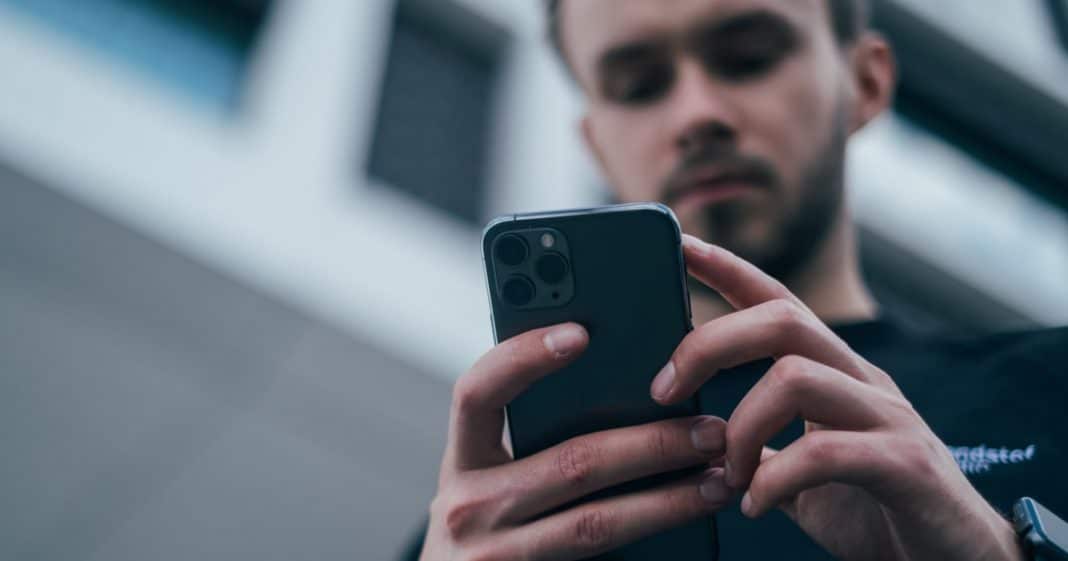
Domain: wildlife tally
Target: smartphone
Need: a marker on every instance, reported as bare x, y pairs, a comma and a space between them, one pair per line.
618, 271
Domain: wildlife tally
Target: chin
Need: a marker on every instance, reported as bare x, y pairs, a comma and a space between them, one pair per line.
740, 228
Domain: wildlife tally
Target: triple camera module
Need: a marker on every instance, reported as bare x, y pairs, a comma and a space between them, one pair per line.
533, 269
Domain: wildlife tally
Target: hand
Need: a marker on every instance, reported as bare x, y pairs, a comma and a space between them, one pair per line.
868, 480
491, 507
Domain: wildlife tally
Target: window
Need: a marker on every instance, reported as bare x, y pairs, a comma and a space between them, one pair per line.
199, 48
1059, 12
431, 139
961, 193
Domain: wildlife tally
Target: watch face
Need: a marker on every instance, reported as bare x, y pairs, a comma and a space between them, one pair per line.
1055, 531
1041, 530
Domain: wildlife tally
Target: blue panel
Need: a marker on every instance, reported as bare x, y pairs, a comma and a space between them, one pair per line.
199, 49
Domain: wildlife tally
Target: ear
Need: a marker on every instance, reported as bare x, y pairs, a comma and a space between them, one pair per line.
874, 77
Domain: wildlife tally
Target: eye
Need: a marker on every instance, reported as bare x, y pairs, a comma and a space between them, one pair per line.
639, 83
741, 62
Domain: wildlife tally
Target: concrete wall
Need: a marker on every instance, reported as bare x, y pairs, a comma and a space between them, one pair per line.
151, 408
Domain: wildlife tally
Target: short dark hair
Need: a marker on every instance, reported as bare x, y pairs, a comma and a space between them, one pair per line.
849, 18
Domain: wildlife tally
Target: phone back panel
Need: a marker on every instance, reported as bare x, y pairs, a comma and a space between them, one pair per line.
629, 292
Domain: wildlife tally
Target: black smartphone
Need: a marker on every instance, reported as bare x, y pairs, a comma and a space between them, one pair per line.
618, 271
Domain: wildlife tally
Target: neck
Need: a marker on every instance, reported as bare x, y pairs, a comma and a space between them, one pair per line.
830, 283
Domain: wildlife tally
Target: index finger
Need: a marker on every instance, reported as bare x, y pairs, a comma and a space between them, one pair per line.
479, 396
740, 282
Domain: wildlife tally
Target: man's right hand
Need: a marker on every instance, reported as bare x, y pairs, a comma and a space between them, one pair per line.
491, 507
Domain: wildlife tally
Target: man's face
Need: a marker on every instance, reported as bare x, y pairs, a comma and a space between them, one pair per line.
732, 112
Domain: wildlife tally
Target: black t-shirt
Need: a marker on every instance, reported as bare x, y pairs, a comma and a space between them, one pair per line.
999, 402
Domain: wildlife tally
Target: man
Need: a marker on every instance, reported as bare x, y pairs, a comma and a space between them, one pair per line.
736, 113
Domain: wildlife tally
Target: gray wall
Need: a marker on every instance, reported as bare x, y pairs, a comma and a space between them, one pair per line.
152, 409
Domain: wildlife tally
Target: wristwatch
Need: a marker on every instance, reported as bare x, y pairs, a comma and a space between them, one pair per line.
1043, 536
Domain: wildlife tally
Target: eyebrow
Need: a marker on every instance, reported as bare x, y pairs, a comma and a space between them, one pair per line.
628, 52
746, 21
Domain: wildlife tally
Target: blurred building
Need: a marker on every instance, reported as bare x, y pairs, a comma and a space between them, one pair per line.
239, 255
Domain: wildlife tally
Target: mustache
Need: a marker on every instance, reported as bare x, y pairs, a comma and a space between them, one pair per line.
717, 165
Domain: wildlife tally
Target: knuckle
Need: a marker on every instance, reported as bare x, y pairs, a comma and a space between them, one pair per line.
788, 317
459, 519
576, 461
880, 377
900, 407
466, 395
918, 457
461, 513
511, 353
658, 442
824, 451
791, 372
594, 530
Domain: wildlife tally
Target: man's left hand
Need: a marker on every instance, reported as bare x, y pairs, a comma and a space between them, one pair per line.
869, 479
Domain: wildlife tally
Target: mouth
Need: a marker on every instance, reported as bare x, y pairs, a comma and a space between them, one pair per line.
701, 190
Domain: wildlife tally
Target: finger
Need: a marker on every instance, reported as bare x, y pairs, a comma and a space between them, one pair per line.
479, 396
796, 387
607, 524
741, 283
818, 458
588, 463
772, 329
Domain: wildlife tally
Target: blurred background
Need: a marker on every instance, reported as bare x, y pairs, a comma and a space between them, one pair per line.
239, 258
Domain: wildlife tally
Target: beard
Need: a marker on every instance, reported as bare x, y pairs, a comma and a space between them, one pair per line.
781, 232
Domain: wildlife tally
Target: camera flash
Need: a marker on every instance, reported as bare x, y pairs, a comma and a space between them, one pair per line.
547, 241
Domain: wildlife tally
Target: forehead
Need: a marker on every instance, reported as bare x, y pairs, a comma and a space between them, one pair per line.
590, 27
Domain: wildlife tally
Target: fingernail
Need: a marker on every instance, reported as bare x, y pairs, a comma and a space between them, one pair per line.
714, 490
663, 382
565, 340
747, 504
727, 471
707, 435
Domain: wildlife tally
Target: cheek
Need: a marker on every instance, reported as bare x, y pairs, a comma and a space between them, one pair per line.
791, 118
632, 145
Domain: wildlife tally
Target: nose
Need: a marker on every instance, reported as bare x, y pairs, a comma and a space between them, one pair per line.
703, 117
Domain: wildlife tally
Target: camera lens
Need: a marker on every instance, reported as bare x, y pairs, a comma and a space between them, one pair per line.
518, 291
511, 250
551, 268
